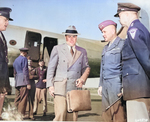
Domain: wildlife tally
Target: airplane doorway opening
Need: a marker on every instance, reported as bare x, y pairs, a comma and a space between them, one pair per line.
48, 45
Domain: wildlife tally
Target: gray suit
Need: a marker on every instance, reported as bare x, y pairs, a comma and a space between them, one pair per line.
64, 70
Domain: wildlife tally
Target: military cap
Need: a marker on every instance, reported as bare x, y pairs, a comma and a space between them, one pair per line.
126, 7
102, 25
71, 30
24, 49
4, 11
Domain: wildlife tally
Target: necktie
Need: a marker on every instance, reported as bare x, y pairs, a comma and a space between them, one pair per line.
71, 51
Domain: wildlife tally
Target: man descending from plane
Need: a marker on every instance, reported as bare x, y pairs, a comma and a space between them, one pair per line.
110, 74
4, 76
22, 84
136, 64
67, 69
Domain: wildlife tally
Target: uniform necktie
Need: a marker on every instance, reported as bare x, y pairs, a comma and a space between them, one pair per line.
71, 51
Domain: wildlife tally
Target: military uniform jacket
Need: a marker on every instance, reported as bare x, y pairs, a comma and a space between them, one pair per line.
111, 60
136, 62
21, 71
64, 70
4, 78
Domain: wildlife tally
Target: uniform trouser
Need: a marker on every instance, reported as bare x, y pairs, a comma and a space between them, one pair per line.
60, 108
138, 110
31, 97
110, 90
43, 93
21, 98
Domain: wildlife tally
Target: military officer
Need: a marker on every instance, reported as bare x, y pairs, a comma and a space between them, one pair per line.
4, 78
110, 73
22, 83
136, 63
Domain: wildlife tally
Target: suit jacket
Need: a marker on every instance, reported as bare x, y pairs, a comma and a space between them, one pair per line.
64, 70
136, 62
4, 76
111, 61
21, 71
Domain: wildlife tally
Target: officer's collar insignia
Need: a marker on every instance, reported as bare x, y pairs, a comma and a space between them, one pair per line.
133, 32
132, 24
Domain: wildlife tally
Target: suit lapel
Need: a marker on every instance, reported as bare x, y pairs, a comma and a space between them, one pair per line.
66, 52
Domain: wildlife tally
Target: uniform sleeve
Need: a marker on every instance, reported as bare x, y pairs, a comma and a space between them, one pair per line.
140, 46
52, 65
25, 69
101, 77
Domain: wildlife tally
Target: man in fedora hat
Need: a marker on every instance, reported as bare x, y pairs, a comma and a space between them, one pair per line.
4, 76
67, 69
110, 74
22, 83
136, 63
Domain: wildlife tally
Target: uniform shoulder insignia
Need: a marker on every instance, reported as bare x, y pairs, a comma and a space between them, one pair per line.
133, 32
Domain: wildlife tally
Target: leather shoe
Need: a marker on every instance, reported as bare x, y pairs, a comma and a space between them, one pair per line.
44, 114
34, 113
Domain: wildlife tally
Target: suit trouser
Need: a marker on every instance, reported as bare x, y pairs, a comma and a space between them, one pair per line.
43, 93
21, 98
60, 107
110, 90
138, 110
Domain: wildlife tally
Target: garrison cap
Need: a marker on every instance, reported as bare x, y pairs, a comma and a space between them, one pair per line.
24, 49
126, 7
4, 11
102, 25
71, 30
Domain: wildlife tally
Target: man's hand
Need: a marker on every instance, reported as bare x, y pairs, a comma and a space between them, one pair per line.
79, 83
51, 91
29, 86
44, 80
99, 91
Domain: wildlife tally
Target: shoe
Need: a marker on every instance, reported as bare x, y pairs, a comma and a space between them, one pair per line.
34, 113
26, 117
44, 114
32, 118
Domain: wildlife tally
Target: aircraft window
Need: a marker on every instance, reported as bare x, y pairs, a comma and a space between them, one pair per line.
12, 42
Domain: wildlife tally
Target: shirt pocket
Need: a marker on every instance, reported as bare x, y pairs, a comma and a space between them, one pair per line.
115, 56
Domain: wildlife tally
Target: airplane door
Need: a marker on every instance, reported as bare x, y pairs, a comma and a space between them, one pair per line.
33, 42
49, 43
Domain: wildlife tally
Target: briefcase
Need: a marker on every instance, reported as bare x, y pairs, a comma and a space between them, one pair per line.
78, 100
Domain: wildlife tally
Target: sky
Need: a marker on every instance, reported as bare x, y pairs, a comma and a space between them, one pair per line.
56, 15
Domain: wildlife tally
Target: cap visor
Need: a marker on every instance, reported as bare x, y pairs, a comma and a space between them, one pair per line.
10, 19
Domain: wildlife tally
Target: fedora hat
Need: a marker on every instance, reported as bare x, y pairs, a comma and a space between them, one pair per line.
71, 30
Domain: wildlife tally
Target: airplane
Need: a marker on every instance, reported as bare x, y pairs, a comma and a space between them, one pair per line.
41, 43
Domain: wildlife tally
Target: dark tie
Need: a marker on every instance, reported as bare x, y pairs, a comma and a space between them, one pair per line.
71, 51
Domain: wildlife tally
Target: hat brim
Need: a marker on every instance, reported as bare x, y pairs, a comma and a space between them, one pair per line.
117, 14
70, 33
